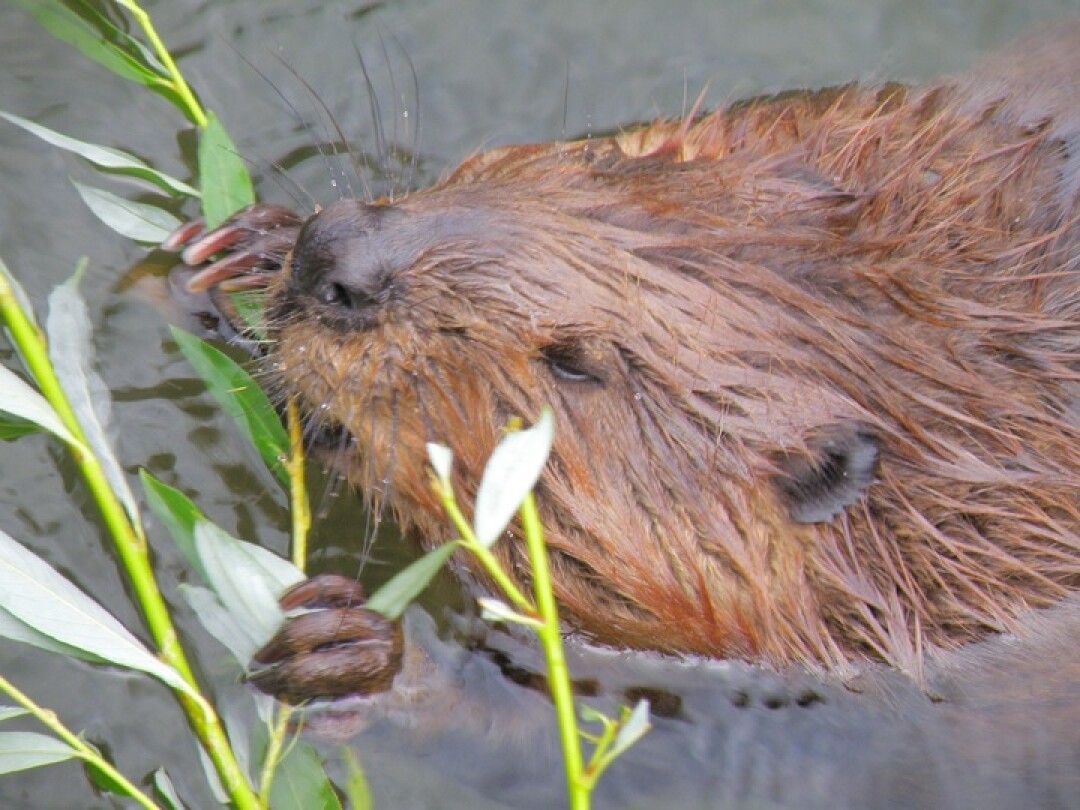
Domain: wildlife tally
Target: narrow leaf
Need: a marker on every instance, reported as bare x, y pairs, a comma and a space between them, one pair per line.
104, 156
178, 513
9, 712
18, 630
510, 474
223, 178
301, 784
71, 351
493, 610
32, 592
592, 715
632, 729
251, 307
23, 750
357, 788
21, 298
241, 398
11, 427
135, 220
165, 790
247, 579
442, 459
231, 630
399, 592
68, 26
19, 399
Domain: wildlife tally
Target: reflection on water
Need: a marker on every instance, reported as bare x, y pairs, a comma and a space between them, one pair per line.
485, 74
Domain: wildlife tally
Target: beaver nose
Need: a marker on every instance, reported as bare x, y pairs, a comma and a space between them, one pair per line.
344, 257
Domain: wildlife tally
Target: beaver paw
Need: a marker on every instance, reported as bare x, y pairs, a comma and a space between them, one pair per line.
255, 241
334, 648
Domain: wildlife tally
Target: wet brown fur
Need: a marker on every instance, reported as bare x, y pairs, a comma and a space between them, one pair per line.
899, 259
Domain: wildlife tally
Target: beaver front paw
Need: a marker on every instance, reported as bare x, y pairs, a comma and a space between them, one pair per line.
255, 241
334, 648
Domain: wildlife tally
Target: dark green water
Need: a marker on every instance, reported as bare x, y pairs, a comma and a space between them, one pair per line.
488, 73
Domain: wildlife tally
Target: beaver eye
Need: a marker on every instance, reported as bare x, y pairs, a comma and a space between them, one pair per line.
571, 364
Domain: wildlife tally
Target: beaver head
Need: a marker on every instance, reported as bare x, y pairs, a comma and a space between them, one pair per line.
813, 363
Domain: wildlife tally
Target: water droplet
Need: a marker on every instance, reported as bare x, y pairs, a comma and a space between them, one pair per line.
638, 396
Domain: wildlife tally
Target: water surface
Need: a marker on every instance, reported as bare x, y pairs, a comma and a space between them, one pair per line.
487, 73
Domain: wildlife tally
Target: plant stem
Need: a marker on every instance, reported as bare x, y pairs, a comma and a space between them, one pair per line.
482, 552
194, 109
130, 542
273, 752
298, 501
84, 751
558, 676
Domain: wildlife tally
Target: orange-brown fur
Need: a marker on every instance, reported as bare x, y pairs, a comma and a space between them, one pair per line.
900, 259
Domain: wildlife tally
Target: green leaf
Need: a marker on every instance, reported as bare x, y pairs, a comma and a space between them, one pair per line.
12, 427
301, 784
631, 729
399, 592
231, 630
357, 789
17, 630
71, 27
105, 157
19, 399
9, 712
178, 513
223, 177
71, 350
21, 298
441, 458
241, 610
23, 750
510, 474
247, 579
137, 221
163, 788
32, 592
251, 307
492, 610
592, 715
241, 398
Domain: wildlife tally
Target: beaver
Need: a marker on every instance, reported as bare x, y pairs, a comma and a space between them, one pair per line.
814, 359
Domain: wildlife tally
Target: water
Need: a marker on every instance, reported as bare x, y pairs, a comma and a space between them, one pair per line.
487, 74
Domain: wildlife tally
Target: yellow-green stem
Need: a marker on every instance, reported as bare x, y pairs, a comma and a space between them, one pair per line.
482, 553
562, 694
85, 752
180, 86
131, 545
301, 512
273, 752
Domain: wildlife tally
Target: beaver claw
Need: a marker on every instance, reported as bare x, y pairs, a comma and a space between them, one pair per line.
256, 241
335, 648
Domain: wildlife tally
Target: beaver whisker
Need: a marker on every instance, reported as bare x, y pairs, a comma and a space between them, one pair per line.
279, 169
397, 114
327, 114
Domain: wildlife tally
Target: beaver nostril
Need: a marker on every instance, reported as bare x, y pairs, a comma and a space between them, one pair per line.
335, 294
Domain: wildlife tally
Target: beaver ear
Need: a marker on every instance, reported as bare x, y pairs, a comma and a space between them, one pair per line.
831, 472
